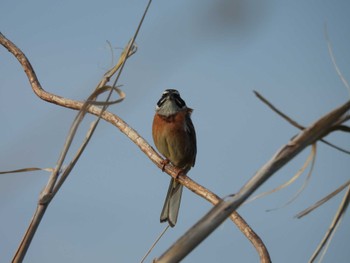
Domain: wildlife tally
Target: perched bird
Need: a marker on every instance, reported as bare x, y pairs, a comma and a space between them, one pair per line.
175, 138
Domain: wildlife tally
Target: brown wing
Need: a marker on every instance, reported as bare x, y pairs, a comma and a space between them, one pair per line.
192, 134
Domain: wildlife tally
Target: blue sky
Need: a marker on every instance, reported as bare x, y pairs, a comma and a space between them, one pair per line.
215, 53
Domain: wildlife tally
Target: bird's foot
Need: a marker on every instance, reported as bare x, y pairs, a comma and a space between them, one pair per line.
164, 163
180, 172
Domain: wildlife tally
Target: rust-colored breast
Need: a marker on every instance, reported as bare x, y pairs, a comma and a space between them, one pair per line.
174, 139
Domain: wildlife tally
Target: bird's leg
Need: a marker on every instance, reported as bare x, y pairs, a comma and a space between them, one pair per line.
164, 163
180, 172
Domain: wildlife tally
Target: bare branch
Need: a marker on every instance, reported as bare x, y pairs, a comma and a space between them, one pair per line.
207, 224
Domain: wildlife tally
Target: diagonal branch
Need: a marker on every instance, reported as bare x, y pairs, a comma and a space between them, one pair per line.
208, 223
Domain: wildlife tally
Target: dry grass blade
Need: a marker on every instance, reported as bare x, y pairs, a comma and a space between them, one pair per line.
306, 181
331, 230
330, 50
323, 200
310, 158
27, 170
112, 52
325, 248
106, 103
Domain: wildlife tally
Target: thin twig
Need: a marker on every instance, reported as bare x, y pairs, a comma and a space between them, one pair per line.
297, 125
335, 146
335, 223
154, 243
75, 158
272, 107
31, 169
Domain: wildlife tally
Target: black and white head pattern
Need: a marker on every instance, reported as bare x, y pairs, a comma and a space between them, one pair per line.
170, 103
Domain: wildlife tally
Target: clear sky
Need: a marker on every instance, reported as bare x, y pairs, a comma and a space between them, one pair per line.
215, 53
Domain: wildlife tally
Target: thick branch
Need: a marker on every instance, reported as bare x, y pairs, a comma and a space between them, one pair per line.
207, 224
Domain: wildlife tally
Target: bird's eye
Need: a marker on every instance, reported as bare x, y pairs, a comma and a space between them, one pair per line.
162, 100
179, 101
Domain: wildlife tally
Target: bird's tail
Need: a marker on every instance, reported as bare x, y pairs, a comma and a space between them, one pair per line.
172, 203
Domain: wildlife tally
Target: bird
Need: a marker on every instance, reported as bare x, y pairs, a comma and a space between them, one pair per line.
175, 138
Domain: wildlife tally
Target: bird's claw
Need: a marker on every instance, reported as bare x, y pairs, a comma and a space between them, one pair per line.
164, 163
